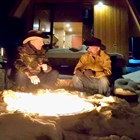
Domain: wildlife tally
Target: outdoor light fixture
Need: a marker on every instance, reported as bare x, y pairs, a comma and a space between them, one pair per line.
100, 5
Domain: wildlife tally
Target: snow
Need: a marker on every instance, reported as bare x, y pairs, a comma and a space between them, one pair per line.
111, 119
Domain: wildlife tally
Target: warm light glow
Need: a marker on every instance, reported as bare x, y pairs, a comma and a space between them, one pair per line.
105, 102
70, 29
2, 51
43, 29
67, 25
100, 6
47, 29
47, 104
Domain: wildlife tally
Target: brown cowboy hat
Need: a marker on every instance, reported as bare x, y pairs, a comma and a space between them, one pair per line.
33, 34
93, 41
103, 47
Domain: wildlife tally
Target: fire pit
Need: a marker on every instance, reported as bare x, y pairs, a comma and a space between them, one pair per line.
59, 115
50, 103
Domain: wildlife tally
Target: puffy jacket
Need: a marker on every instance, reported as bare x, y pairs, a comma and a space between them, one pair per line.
29, 58
101, 64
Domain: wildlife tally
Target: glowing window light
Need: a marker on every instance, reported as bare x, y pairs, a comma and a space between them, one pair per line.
100, 6
35, 26
47, 29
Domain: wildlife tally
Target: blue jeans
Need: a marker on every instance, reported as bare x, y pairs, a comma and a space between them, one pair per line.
84, 84
47, 80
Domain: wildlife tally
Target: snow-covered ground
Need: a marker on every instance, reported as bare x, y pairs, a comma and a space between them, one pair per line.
111, 119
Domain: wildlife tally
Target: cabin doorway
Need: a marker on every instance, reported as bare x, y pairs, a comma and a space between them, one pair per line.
76, 41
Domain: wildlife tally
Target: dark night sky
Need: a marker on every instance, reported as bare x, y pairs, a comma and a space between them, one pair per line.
6, 6
11, 28
137, 4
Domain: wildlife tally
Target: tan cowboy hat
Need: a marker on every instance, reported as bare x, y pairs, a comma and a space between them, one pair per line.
33, 34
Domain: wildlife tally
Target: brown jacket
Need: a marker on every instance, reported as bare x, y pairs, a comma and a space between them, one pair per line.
101, 64
29, 58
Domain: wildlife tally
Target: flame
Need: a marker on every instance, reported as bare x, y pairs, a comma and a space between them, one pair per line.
47, 104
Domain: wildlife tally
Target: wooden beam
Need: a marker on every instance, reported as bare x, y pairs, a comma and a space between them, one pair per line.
20, 9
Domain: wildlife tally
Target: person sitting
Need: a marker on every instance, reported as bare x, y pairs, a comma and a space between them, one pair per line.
33, 69
93, 68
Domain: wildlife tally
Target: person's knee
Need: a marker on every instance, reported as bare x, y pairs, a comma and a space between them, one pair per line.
104, 81
54, 73
21, 76
21, 81
75, 79
77, 83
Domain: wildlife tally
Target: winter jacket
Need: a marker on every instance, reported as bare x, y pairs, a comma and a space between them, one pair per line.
101, 65
29, 58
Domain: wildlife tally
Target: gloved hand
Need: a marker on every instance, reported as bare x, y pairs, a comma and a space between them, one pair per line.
89, 73
34, 80
78, 73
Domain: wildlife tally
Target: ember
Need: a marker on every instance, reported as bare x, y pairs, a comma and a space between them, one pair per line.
56, 103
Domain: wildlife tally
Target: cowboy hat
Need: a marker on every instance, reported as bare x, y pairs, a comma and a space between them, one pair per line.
93, 41
103, 47
34, 34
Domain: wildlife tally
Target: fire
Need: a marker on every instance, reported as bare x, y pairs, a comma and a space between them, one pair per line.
47, 104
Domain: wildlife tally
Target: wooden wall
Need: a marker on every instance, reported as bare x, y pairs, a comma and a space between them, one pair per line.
111, 26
